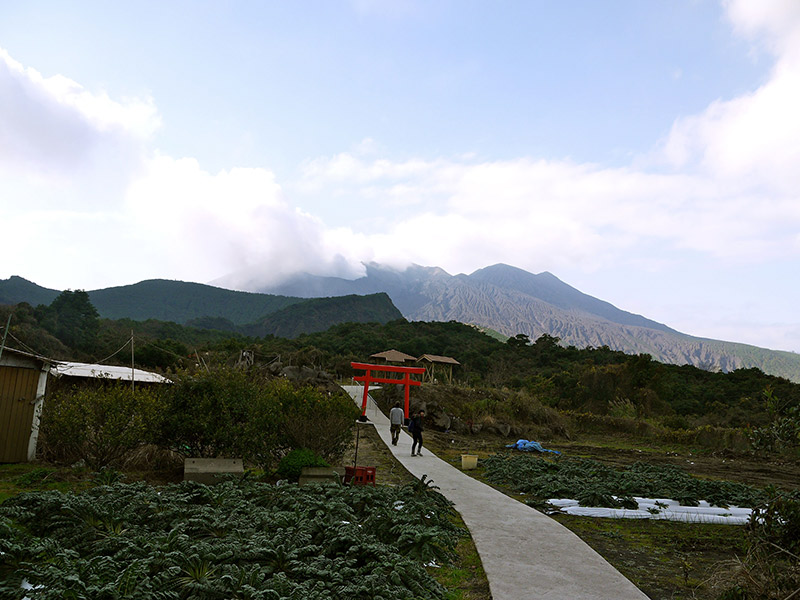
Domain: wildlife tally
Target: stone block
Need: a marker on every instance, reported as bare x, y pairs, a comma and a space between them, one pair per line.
318, 475
210, 470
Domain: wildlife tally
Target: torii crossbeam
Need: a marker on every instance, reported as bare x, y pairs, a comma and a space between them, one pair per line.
368, 378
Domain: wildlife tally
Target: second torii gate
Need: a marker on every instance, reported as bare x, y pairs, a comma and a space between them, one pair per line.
368, 378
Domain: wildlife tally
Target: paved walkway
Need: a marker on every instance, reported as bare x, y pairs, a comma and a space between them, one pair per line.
525, 554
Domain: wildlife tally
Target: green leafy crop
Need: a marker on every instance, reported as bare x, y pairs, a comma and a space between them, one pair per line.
595, 484
238, 539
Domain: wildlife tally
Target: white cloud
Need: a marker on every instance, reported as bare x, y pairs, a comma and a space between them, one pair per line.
78, 168
730, 192
775, 23
88, 203
545, 214
201, 226
51, 127
752, 140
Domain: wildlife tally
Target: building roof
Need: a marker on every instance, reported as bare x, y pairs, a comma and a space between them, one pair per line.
14, 357
439, 359
90, 371
394, 356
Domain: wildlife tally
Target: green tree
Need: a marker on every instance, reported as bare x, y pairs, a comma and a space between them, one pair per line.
519, 341
73, 319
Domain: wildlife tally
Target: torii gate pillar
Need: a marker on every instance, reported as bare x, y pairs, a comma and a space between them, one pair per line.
368, 378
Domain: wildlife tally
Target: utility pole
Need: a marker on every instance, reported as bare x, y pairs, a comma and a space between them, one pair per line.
133, 371
5, 333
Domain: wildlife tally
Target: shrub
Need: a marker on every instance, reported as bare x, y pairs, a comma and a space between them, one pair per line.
777, 523
232, 413
100, 425
291, 466
592, 423
771, 568
319, 421
783, 432
675, 422
207, 413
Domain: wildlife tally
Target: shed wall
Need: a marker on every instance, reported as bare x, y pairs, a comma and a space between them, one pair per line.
18, 394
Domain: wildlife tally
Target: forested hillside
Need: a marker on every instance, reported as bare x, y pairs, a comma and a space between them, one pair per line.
181, 301
321, 313
161, 299
596, 380
16, 289
207, 307
500, 298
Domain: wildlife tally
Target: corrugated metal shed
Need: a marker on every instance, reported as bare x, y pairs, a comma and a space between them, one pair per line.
90, 371
23, 378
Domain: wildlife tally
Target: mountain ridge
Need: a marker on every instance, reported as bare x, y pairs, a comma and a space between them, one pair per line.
500, 297
211, 307
513, 301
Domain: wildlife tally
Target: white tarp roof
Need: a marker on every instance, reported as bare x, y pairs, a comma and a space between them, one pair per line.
75, 369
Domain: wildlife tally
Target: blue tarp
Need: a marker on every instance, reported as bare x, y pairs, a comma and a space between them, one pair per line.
529, 446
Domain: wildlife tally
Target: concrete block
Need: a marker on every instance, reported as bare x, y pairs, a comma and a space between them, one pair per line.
318, 475
469, 461
209, 470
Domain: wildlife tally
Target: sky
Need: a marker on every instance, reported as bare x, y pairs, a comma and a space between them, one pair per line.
646, 152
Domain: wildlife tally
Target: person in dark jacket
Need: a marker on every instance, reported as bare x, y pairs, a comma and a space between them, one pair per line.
415, 427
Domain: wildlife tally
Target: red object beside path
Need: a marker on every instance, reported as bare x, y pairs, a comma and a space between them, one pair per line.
359, 475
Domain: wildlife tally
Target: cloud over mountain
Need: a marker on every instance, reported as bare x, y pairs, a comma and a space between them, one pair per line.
89, 192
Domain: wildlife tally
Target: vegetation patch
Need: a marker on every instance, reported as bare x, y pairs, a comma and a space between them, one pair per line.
292, 465
239, 539
225, 413
596, 484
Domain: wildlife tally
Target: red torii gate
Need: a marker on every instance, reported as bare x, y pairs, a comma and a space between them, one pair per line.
370, 378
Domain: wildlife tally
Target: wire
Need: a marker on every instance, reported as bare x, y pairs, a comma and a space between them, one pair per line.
100, 362
23, 344
145, 342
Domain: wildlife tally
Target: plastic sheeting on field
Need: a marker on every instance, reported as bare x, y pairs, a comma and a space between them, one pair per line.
529, 446
659, 508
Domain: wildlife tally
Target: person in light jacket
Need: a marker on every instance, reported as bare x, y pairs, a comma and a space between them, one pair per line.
396, 418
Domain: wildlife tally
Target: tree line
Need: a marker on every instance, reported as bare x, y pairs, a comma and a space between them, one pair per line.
594, 379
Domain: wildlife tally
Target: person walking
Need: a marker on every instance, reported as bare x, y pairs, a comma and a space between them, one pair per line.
396, 418
415, 427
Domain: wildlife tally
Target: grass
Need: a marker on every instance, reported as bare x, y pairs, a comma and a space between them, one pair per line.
466, 578
25, 477
666, 560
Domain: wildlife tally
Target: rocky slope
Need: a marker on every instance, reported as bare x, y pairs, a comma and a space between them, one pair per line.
513, 301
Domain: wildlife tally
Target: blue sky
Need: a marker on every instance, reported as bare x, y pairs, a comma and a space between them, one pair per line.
645, 152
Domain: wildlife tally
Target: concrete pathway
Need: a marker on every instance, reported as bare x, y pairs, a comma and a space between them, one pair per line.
525, 553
